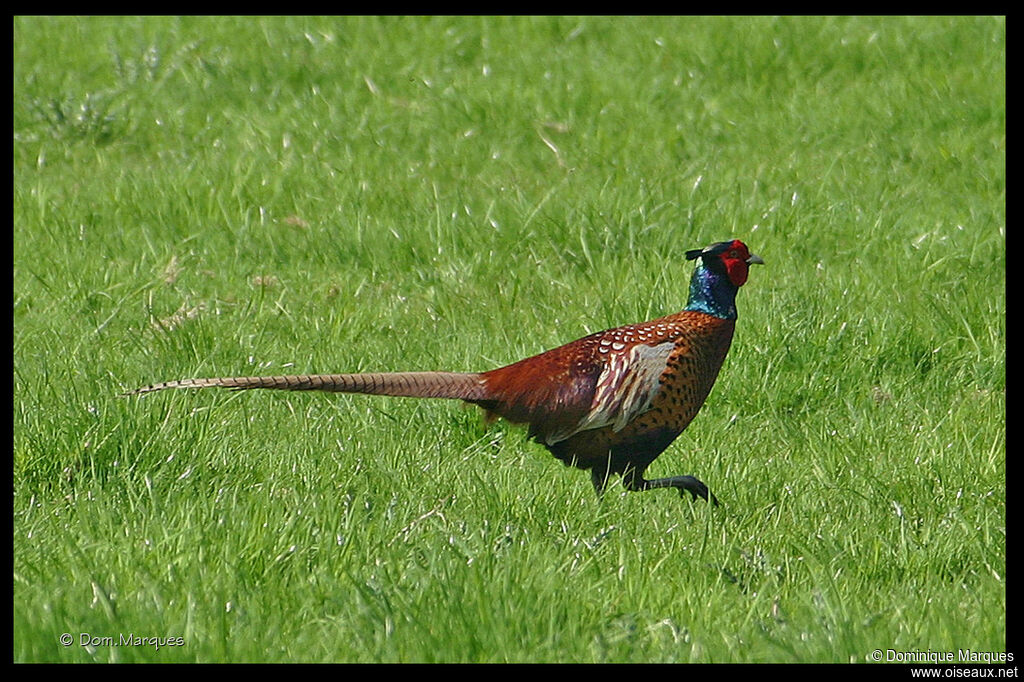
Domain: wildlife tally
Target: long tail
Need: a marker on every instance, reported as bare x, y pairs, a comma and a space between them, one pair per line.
457, 385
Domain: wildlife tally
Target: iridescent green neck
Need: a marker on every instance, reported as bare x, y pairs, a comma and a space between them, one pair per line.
712, 293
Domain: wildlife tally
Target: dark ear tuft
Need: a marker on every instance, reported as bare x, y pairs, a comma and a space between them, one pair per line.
694, 254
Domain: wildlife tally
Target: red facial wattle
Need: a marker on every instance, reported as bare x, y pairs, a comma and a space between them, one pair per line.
737, 271
735, 260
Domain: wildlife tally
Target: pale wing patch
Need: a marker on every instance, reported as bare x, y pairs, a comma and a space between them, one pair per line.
625, 389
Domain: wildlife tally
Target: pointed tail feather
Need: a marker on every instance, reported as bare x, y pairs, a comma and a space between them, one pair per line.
456, 385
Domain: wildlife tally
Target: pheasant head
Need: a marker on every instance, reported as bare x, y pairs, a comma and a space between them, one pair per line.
722, 269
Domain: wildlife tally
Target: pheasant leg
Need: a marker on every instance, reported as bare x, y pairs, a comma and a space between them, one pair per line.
685, 484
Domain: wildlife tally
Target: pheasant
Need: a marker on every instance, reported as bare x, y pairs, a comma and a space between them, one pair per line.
610, 402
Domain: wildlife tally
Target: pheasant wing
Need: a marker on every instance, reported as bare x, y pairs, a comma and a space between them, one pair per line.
604, 379
625, 389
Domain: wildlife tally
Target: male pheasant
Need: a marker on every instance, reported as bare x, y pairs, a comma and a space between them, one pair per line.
610, 402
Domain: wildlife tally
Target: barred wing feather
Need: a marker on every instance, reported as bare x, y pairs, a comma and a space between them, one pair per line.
625, 389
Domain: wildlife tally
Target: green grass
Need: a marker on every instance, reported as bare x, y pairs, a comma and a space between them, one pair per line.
205, 197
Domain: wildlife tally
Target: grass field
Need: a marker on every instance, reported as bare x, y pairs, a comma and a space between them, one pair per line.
210, 197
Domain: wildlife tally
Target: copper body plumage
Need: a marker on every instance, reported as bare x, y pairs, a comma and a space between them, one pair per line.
609, 403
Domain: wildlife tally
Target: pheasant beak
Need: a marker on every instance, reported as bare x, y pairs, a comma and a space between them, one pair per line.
755, 260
